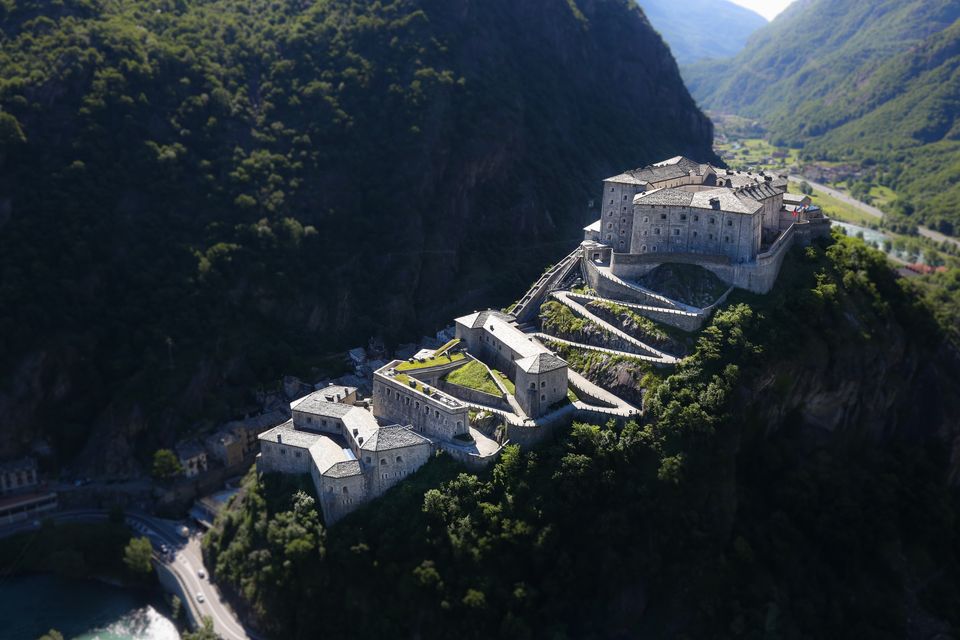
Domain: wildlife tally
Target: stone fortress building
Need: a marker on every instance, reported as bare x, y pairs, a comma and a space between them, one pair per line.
540, 376
516, 388
735, 224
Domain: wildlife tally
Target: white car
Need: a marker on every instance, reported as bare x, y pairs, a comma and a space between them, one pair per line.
202, 574
200, 597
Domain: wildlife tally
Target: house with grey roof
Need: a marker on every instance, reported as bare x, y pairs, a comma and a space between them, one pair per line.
539, 375
348, 455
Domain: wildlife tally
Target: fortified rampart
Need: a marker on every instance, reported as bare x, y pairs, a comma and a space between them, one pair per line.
431, 412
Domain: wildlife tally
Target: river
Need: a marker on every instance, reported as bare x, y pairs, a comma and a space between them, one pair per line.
81, 610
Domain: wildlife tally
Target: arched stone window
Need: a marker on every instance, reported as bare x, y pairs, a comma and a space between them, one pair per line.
399, 459
383, 461
643, 249
345, 490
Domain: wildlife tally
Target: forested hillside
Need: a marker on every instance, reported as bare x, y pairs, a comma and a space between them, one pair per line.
198, 197
702, 29
789, 480
875, 82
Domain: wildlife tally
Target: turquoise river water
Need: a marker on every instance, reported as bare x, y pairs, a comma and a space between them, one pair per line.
80, 610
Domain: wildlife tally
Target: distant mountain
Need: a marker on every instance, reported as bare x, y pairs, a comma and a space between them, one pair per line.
197, 198
877, 82
701, 29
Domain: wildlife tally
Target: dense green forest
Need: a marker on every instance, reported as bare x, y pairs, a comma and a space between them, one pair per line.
876, 83
730, 512
197, 197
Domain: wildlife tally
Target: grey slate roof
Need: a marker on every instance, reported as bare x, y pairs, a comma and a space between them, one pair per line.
315, 404
730, 200
394, 437
541, 363
290, 436
479, 318
676, 167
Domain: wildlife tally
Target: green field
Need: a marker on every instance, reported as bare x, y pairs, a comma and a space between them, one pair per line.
840, 210
474, 375
753, 152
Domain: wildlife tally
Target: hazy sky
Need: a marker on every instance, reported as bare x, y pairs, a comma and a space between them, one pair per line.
767, 8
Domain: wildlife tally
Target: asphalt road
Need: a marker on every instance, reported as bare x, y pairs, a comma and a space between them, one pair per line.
870, 210
183, 558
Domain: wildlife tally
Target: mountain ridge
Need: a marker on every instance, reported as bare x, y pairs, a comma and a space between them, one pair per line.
691, 28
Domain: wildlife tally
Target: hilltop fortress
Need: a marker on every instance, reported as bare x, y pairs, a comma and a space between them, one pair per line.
736, 224
499, 378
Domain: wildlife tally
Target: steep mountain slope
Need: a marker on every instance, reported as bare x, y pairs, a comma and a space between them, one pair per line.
196, 198
702, 29
875, 82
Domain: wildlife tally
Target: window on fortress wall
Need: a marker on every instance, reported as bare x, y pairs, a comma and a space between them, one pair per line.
609, 225
533, 385
676, 232
345, 490
694, 234
329, 489
623, 232
656, 231
543, 397
368, 459
611, 202
729, 223
459, 423
298, 454
623, 221
654, 247
624, 197
309, 420
543, 384
663, 216
383, 461
644, 232
713, 220
643, 249
611, 189
437, 414
646, 219
418, 404
610, 213
711, 236
283, 451
683, 216
399, 459
696, 218
609, 236
728, 238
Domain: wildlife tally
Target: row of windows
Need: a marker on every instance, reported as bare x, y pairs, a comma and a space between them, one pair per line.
426, 408
683, 216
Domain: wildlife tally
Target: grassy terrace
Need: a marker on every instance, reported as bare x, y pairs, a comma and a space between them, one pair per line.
446, 347
506, 382
473, 375
840, 210
435, 361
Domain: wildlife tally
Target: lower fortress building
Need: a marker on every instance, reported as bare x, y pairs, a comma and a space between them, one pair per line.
499, 379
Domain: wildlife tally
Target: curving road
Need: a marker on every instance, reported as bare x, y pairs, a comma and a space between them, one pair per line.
183, 559
870, 209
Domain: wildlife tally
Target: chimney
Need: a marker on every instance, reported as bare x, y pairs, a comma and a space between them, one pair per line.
279, 438
715, 204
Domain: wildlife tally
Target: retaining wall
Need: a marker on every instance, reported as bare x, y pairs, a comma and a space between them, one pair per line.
473, 395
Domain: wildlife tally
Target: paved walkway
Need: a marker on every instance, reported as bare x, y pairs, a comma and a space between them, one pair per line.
530, 302
633, 305
668, 303
579, 309
545, 337
618, 406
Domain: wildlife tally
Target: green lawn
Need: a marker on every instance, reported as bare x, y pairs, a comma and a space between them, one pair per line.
446, 347
474, 375
432, 362
842, 211
506, 382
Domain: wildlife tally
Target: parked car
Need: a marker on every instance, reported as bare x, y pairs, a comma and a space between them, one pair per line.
200, 597
202, 574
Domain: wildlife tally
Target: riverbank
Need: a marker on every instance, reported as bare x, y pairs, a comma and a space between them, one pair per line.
82, 609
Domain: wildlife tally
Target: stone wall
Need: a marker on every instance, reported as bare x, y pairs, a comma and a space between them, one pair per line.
399, 403
283, 458
616, 219
678, 229
536, 393
339, 496
473, 395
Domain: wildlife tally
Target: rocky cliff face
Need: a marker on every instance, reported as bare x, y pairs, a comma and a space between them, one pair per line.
215, 194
